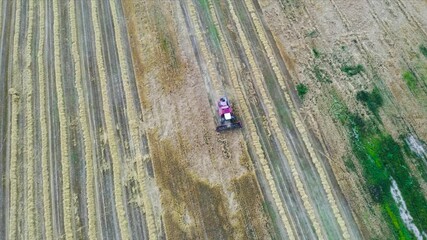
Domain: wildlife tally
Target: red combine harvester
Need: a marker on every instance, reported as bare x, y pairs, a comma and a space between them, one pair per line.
226, 117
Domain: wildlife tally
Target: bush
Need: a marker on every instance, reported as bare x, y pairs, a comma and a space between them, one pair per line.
372, 100
302, 89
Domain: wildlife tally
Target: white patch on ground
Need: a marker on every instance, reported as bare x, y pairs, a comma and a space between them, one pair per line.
417, 147
404, 213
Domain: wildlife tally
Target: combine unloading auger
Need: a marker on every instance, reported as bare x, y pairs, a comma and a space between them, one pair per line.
227, 120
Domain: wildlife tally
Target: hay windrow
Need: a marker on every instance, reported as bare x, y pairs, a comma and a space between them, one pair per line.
44, 133
28, 91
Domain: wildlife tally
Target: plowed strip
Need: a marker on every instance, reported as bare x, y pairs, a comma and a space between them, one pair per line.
118, 187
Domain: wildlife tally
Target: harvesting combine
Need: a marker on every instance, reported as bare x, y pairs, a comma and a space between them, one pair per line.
227, 120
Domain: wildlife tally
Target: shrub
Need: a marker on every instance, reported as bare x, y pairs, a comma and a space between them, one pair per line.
316, 53
411, 80
423, 50
352, 70
302, 89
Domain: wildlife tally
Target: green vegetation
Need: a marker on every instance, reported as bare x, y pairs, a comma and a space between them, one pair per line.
302, 89
204, 4
373, 100
170, 52
211, 26
352, 70
348, 162
166, 41
423, 50
381, 158
411, 80
316, 53
321, 75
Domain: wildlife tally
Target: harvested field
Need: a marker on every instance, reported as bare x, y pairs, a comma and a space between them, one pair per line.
108, 114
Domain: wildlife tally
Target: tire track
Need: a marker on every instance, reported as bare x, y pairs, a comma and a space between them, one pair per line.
83, 121
212, 76
135, 129
411, 19
15, 106
54, 130
38, 166
7, 24
66, 191
118, 193
392, 41
48, 227
76, 168
22, 132
3, 113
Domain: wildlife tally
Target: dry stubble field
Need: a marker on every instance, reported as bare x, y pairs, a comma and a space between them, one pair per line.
108, 115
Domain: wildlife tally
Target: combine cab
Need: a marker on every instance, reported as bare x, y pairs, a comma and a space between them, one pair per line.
227, 119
